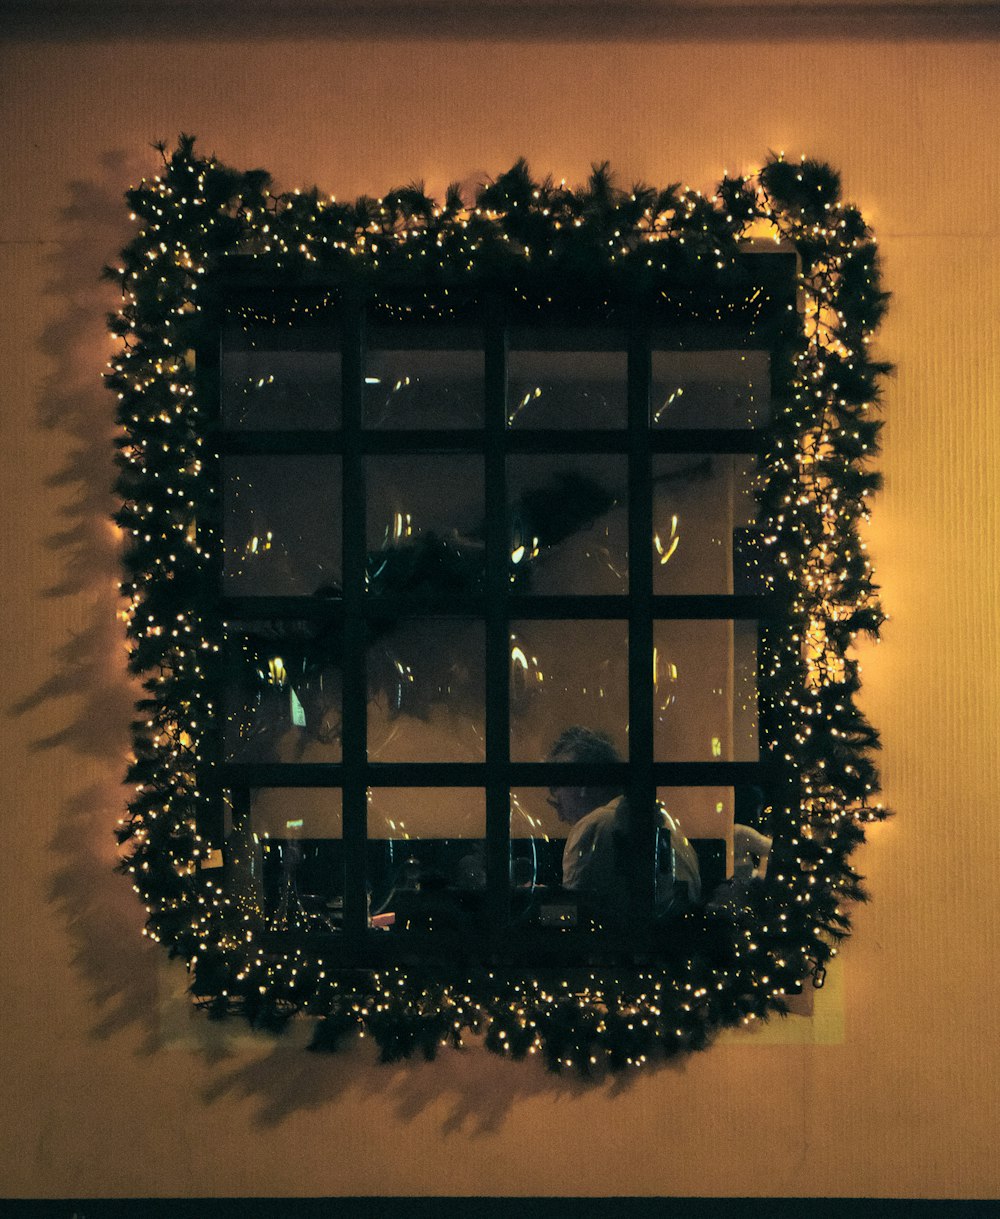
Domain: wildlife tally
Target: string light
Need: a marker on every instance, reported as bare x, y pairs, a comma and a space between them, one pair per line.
814, 496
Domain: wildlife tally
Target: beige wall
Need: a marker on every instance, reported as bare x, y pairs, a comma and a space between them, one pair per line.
107, 1089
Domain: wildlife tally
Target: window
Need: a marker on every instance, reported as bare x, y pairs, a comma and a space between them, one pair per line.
456, 523
364, 444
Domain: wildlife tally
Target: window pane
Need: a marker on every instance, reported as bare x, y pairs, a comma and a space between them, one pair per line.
265, 386
570, 859
426, 692
705, 691
564, 673
537, 838
710, 389
425, 525
569, 524
703, 513
284, 856
427, 858
281, 525
726, 826
282, 697
567, 389
424, 389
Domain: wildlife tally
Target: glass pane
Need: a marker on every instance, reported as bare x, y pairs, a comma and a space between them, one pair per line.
537, 839
704, 817
710, 841
569, 524
424, 389
570, 858
567, 389
710, 389
265, 387
426, 692
427, 858
703, 513
705, 691
282, 698
425, 525
284, 856
564, 673
281, 525
728, 829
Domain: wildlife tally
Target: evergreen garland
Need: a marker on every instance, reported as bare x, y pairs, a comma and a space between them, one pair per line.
533, 236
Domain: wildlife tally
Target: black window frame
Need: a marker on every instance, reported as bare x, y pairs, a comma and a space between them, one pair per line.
642, 328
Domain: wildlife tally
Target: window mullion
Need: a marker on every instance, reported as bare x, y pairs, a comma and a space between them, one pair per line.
355, 687
497, 728
641, 788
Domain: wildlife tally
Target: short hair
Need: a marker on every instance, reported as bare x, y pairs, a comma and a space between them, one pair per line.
585, 745
588, 745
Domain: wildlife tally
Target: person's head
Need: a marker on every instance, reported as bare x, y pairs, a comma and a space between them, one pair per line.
579, 744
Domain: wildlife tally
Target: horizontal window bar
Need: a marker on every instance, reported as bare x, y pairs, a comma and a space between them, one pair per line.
444, 605
428, 774
566, 440
714, 606
418, 440
712, 774
478, 774
530, 607
277, 774
706, 440
687, 606
665, 774
472, 440
280, 443
303, 440
236, 608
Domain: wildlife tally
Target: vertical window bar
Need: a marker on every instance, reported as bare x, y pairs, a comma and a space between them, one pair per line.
208, 395
497, 621
642, 788
355, 685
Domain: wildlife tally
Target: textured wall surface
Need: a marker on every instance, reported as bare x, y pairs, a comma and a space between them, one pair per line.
111, 1087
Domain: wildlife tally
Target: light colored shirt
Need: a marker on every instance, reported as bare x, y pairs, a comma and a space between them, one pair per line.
591, 862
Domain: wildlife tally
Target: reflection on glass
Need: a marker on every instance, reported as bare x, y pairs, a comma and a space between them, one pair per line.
710, 389
564, 673
426, 692
727, 827
284, 856
571, 863
537, 839
706, 838
283, 692
281, 525
567, 389
705, 691
568, 524
704, 816
424, 389
427, 858
703, 510
425, 525
280, 389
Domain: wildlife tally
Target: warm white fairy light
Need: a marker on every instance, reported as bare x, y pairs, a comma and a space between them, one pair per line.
195, 210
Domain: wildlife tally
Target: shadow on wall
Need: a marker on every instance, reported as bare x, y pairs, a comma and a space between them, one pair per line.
89, 696
473, 1091
503, 20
